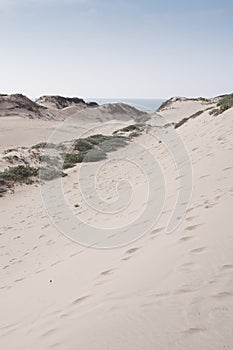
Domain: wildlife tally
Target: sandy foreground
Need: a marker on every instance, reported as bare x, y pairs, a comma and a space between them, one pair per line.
163, 291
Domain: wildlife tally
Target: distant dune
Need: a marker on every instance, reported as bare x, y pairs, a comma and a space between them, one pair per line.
59, 108
60, 102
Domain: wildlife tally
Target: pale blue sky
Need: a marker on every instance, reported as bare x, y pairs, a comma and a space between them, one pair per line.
106, 48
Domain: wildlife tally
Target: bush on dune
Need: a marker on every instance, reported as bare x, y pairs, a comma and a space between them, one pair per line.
225, 103
49, 174
98, 138
184, 120
94, 155
133, 127
18, 173
71, 159
82, 145
112, 144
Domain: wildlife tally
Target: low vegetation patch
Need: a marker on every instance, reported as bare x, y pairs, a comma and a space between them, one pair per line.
93, 149
49, 161
164, 105
48, 167
184, 120
17, 174
203, 99
71, 159
113, 144
133, 130
98, 139
94, 155
49, 174
225, 103
82, 145
42, 145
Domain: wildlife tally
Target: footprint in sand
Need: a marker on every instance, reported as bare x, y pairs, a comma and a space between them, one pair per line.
204, 176
127, 258
19, 280
80, 300
194, 330
107, 272
223, 295
56, 263
190, 218
132, 251
229, 168
192, 228
185, 239
190, 209
49, 332
198, 250
227, 267
17, 237
154, 232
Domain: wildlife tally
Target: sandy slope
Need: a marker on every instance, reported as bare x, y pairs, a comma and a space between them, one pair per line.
19, 132
26, 132
160, 292
181, 108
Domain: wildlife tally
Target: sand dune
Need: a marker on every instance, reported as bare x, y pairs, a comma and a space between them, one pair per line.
162, 291
177, 107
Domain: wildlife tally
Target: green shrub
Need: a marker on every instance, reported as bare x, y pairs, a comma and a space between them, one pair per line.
214, 111
181, 122
82, 145
195, 115
225, 103
113, 144
184, 120
98, 138
40, 145
203, 99
49, 174
18, 173
48, 145
132, 127
94, 155
49, 160
71, 159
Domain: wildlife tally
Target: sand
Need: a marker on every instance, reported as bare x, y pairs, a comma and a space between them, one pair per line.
163, 291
